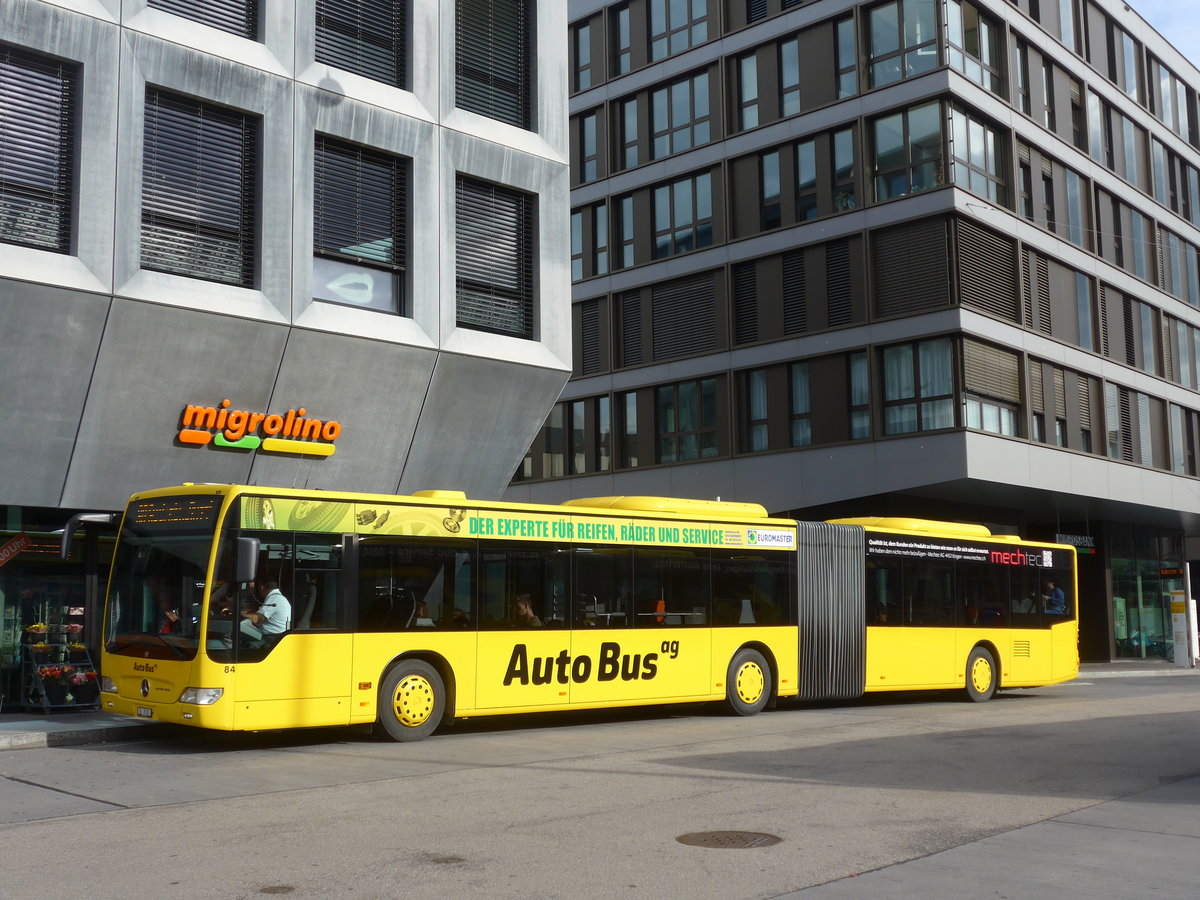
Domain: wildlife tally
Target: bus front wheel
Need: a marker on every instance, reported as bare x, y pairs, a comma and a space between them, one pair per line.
412, 699
748, 683
981, 675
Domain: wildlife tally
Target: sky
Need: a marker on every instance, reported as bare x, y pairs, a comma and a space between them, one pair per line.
1176, 20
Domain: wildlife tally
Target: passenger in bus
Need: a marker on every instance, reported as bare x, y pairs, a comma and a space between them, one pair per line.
274, 613
165, 604
421, 617
1054, 599
523, 615
459, 619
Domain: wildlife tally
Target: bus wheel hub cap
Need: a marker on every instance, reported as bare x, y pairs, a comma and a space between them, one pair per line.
413, 701
750, 683
981, 675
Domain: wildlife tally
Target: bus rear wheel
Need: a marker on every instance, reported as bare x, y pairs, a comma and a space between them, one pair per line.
981, 675
412, 700
747, 683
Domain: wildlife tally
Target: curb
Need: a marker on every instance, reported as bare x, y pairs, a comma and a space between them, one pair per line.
78, 737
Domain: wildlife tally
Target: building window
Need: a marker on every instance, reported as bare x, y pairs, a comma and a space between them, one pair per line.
1140, 244
860, 396
37, 150
847, 58
629, 133
974, 45
845, 193
1066, 24
198, 190
801, 405
626, 226
367, 37
589, 242
1097, 146
629, 430
1083, 312
687, 420
989, 415
494, 245
978, 157
359, 226
622, 61
603, 434
756, 411
493, 45
680, 115
583, 57
806, 180
677, 25
769, 185
748, 91
789, 77
1078, 231
908, 152
238, 17
588, 150
1048, 117
1022, 77
554, 455
902, 37
1025, 186
683, 216
918, 387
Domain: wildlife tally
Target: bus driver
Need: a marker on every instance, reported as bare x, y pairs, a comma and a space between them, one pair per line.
274, 613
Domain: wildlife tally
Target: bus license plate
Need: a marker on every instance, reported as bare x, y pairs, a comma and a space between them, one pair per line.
145, 712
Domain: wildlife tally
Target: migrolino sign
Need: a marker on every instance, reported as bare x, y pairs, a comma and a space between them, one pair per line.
237, 429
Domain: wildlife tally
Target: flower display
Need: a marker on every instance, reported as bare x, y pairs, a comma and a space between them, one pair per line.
73, 628
83, 678
38, 628
55, 674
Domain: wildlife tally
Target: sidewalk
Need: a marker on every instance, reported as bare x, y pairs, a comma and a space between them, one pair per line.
22, 730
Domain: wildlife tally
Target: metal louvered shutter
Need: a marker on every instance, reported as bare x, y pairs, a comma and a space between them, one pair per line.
1085, 402
37, 150
911, 268
631, 329
833, 610
1037, 401
1103, 297
987, 271
238, 17
359, 197
367, 37
992, 372
755, 10
838, 294
1043, 296
493, 43
494, 243
795, 291
1131, 342
745, 303
198, 190
683, 317
589, 352
1060, 392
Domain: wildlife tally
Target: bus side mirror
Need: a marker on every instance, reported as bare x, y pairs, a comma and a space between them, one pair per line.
247, 559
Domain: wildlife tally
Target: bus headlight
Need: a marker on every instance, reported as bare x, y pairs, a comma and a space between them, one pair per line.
107, 685
201, 696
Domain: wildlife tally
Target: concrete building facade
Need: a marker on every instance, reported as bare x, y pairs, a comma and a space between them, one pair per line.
223, 223
932, 258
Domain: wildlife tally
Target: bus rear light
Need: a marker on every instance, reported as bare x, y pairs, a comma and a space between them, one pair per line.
201, 696
107, 685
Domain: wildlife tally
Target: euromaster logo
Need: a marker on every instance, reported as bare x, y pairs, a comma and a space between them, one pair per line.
238, 429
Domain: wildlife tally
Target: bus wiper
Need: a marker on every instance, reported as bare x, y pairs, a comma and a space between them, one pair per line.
117, 646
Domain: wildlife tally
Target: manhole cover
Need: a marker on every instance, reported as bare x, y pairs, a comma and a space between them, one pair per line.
729, 840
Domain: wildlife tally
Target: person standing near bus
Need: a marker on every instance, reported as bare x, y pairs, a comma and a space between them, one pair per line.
274, 613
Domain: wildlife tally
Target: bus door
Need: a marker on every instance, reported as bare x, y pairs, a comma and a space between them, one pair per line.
524, 649
641, 625
301, 676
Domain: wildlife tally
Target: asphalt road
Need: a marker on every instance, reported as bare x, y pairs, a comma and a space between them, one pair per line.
913, 795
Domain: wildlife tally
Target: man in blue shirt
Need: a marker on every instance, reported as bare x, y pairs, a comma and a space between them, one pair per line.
1053, 598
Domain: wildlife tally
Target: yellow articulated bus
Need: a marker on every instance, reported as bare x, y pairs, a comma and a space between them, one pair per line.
246, 608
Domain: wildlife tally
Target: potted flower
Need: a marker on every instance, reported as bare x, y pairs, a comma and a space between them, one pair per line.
84, 688
55, 679
76, 652
73, 628
40, 651
35, 632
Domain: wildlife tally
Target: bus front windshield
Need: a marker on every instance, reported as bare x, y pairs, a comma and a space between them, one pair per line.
156, 592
